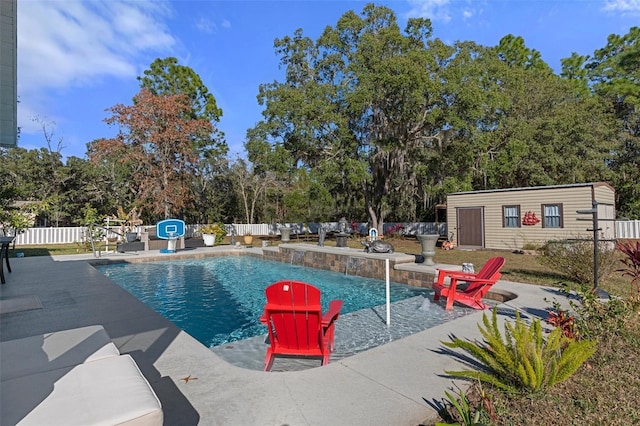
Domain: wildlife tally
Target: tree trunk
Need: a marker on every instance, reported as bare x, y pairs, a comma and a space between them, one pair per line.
377, 221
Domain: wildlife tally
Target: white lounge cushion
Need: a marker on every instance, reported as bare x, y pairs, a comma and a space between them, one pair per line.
51, 351
107, 391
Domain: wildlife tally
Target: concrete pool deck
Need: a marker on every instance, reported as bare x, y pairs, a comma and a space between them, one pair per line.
390, 384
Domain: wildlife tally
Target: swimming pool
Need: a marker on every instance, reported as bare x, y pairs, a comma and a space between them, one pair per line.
218, 300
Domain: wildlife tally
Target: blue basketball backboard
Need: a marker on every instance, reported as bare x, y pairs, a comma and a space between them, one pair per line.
170, 228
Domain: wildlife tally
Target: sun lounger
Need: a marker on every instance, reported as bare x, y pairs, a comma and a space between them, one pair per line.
51, 351
73, 377
108, 391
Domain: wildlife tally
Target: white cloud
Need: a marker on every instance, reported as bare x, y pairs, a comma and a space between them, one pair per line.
436, 10
67, 44
26, 120
624, 6
446, 10
205, 25
70, 43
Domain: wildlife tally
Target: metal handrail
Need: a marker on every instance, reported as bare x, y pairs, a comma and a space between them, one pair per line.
93, 245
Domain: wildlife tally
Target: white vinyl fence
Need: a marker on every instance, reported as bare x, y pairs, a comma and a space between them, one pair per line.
628, 229
41, 236
625, 229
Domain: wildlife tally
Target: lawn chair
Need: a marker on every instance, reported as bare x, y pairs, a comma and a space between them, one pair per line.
478, 284
293, 315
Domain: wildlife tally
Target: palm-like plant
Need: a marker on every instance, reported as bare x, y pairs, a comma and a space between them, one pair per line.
522, 360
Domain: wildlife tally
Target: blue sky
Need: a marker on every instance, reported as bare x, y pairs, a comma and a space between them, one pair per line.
78, 58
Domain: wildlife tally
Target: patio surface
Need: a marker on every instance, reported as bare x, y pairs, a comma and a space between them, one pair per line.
396, 383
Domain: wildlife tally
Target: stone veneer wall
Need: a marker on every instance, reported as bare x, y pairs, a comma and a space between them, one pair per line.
361, 266
350, 264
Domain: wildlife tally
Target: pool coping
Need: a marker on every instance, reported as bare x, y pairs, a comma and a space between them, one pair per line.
396, 383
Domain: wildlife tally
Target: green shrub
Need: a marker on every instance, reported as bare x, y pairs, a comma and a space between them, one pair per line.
596, 318
216, 229
574, 259
93, 234
463, 411
522, 360
530, 246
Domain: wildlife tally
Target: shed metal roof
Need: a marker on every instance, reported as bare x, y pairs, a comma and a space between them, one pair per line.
533, 188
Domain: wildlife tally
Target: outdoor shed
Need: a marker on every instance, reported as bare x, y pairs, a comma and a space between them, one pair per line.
517, 218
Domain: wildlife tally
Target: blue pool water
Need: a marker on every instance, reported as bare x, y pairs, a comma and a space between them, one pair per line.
219, 300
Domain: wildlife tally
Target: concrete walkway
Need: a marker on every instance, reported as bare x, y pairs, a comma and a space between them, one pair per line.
393, 384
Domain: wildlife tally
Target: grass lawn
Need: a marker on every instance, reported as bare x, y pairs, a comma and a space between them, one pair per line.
50, 250
605, 390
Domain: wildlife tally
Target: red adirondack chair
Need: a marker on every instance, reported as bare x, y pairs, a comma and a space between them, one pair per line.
478, 284
297, 327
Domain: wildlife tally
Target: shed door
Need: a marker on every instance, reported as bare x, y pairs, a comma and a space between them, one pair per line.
607, 222
470, 226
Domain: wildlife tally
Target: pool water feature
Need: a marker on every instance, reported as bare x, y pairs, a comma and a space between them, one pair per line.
219, 300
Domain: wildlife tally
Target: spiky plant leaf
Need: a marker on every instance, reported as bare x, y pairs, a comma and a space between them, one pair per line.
572, 358
485, 378
461, 406
522, 359
476, 350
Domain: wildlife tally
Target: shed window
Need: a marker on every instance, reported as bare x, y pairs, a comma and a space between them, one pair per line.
510, 216
552, 216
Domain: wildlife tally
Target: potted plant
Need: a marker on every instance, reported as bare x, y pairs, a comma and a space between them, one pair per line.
428, 245
213, 233
285, 233
248, 238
